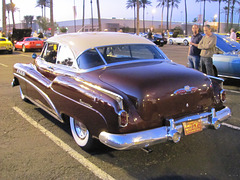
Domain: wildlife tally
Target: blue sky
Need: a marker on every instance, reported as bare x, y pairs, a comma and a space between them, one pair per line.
63, 10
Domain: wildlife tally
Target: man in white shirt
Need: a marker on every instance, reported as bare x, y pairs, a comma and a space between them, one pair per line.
233, 35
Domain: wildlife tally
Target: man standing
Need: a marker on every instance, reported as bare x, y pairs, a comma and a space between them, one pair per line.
194, 52
207, 46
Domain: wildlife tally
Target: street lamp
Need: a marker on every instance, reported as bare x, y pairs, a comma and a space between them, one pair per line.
153, 12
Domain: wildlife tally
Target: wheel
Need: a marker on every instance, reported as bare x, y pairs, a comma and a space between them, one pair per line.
23, 49
81, 134
170, 42
10, 52
185, 42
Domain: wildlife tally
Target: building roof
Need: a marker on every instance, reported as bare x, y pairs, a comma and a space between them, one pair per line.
82, 41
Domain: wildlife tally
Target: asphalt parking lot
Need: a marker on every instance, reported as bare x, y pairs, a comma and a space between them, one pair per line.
34, 145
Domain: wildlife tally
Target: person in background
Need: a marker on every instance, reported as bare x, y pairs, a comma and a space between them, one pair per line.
193, 51
149, 34
0, 33
233, 35
35, 34
207, 46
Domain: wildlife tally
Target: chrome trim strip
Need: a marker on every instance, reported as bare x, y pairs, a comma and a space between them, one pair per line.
162, 134
80, 103
233, 77
44, 95
213, 77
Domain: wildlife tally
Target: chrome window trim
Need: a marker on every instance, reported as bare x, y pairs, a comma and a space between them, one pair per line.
119, 63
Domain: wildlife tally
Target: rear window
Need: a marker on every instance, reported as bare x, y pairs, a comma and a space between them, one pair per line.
119, 53
32, 39
2, 39
89, 59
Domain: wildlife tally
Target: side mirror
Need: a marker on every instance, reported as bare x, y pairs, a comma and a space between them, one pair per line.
34, 56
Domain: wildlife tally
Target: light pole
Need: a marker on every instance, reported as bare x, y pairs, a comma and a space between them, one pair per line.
153, 12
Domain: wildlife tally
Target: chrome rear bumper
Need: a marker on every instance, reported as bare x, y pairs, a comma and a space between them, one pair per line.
163, 134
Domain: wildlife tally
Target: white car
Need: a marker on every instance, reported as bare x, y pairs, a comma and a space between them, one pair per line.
179, 40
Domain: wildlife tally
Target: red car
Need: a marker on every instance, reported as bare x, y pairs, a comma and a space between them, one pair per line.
28, 43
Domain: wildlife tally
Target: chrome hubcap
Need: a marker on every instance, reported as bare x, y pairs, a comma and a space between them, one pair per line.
80, 129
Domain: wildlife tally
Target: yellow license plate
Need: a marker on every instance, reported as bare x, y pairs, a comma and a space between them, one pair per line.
192, 127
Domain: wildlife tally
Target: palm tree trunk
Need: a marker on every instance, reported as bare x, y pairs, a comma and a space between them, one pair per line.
8, 21
219, 9
167, 12
186, 17
42, 11
228, 13
91, 14
134, 14
99, 17
144, 18
162, 19
204, 5
171, 17
51, 18
233, 3
83, 19
137, 17
12, 9
4, 16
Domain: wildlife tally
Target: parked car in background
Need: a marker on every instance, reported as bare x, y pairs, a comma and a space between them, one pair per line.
226, 61
158, 39
179, 39
29, 43
6, 45
120, 89
238, 36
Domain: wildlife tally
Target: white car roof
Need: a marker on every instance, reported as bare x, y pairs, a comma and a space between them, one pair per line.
79, 42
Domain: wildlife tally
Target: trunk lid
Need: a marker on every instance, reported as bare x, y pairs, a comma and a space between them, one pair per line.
161, 90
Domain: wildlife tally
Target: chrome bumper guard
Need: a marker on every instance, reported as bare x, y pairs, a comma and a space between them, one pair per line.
163, 134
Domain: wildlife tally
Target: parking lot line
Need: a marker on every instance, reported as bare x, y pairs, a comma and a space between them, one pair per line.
228, 90
3, 65
85, 162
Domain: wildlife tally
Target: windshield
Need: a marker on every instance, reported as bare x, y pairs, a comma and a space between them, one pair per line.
120, 53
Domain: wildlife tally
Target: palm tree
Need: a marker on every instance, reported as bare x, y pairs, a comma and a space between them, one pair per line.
228, 10
219, 12
28, 20
168, 1
232, 8
161, 4
13, 9
4, 16
83, 19
8, 9
204, 6
51, 18
174, 3
132, 4
144, 3
43, 4
99, 17
138, 6
186, 17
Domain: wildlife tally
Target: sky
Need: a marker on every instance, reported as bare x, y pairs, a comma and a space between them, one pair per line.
63, 10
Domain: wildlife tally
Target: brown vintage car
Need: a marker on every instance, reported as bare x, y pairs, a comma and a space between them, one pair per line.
120, 89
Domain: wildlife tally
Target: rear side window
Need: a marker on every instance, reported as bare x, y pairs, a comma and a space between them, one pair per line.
2, 39
89, 59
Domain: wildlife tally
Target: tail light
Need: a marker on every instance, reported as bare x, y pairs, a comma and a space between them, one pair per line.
223, 96
123, 118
